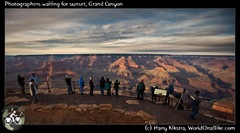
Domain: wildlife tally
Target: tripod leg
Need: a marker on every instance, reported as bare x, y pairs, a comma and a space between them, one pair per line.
179, 102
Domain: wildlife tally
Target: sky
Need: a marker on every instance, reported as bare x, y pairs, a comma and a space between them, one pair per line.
191, 31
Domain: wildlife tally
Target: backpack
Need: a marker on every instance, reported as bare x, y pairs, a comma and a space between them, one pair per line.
141, 87
107, 86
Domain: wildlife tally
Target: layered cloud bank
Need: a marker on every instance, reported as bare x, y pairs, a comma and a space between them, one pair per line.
157, 31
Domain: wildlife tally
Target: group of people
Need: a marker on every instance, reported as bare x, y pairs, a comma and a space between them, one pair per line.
194, 99
33, 85
104, 85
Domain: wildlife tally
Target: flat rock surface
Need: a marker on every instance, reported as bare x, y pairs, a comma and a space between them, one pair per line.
164, 114
132, 102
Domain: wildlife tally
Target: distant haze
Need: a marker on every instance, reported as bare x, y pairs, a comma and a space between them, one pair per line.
136, 31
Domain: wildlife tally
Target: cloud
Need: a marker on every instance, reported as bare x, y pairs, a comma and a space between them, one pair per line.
128, 30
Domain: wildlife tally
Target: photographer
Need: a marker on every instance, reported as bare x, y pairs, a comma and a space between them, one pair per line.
170, 90
195, 104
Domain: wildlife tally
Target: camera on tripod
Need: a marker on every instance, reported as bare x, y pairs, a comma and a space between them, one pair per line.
180, 101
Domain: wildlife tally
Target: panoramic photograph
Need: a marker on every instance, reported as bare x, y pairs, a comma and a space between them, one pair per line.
120, 66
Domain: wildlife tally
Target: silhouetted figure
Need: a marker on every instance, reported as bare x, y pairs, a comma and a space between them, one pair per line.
21, 82
33, 90
170, 90
154, 96
195, 104
108, 86
91, 85
69, 84
81, 84
140, 90
116, 87
102, 85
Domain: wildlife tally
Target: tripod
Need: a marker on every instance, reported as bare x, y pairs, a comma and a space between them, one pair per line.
179, 102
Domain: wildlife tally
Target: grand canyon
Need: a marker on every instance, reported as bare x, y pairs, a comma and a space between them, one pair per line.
214, 76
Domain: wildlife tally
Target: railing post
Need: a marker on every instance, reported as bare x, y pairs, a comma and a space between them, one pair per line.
73, 86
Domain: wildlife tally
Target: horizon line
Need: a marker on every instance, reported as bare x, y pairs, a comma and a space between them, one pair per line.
122, 54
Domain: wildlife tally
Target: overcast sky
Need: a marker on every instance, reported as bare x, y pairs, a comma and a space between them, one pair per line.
142, 31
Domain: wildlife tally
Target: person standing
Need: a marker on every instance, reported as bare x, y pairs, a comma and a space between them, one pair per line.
116, 87
170, 90
102, 85
140, 90
81, 84
33, 90
21, 82
35, 79
108, 84
195, 104
91, 85
154, 96
69, 84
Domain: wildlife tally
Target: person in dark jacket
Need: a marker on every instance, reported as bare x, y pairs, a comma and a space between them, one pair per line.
91, 85
81, 84
170, 90
140, 90
154, 96
69, 84
108, 84
195, 104
116, 87
21, 82
102, 85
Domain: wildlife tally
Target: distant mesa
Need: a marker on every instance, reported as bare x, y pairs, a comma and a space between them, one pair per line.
122, 65
158, 72
131, 63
